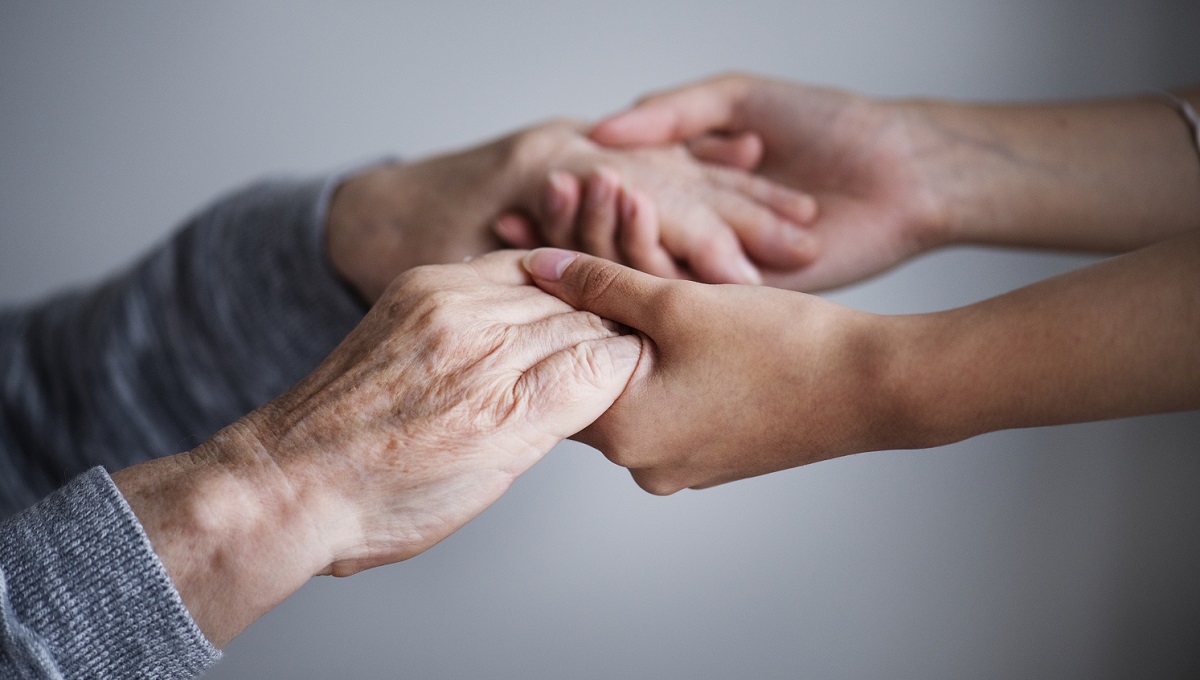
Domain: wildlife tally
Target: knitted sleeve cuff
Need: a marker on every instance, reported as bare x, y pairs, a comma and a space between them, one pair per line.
82, 593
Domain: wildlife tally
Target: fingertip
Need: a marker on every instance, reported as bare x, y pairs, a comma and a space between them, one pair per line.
560, 188
803, 245
719, 258
806, 208
515, 230
746, 271
602, 186
743, 151
548, 264
637, 126
610, 131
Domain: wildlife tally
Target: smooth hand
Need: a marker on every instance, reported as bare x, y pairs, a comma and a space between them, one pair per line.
740, 381
861, 159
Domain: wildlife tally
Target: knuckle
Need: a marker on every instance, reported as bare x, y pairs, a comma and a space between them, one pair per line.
706, 247
596, 239
673, 303
595, 281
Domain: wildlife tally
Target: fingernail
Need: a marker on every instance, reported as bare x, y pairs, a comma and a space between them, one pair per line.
806, 209
504, 226
748, 272
628, 207
801, 241
548, 264
554, 192
602, 186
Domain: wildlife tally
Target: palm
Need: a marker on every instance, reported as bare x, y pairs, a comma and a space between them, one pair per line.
856, 157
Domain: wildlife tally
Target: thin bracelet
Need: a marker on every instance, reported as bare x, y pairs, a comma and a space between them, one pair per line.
1189, 115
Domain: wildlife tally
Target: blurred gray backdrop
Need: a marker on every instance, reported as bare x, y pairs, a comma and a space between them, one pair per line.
1068, 552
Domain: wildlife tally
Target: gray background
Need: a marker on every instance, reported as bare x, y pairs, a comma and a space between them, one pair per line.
1068, 552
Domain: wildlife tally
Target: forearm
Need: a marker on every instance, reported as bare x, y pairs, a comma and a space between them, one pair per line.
83, 595
1110, 175
235, 535
1116, 339
440, 209
233, 309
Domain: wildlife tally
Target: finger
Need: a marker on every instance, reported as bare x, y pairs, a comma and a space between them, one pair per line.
501, 267
560, 204
743, 150
676, 115
763, 235
710, 250
638, 237
606, 288
570, 389
517, 231
791, 204
597, 224
529, 343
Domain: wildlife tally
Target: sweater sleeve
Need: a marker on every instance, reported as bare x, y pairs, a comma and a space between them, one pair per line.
82, 594
229, 312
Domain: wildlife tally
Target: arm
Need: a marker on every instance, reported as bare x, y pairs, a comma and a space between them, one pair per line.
249, 295
1110, 175
458, 382
744, 381
893, 178
1115, 339
227, 314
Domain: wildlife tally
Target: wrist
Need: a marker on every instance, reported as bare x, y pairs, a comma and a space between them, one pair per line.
358, 237
235, 534
946, 163
880, 395
927, 402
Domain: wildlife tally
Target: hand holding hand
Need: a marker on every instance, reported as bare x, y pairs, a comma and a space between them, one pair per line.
660, 210
860, 158
740, 380
458, 381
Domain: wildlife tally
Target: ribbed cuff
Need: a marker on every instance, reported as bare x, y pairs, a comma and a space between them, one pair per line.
82, 590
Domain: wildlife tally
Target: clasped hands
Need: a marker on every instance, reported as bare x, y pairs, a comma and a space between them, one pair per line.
463, 375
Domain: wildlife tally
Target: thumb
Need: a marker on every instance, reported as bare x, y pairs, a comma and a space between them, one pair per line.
675, 115
516, 231
570, 389
743, 150
596, 285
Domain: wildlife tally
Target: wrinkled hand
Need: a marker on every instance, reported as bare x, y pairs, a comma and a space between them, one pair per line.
860, 159
740, 380
660, 210
392, 217
458, 381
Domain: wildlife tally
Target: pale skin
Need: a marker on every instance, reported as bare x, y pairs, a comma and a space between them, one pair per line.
894, 178
463, 376
743, 381
442, 209
459, 379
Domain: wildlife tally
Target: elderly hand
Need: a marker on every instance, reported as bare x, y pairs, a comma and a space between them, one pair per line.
863, 161
661, 211
457, 381
392, 217
741, 380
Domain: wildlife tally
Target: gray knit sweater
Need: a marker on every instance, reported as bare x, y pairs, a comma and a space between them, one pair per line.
231, 311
